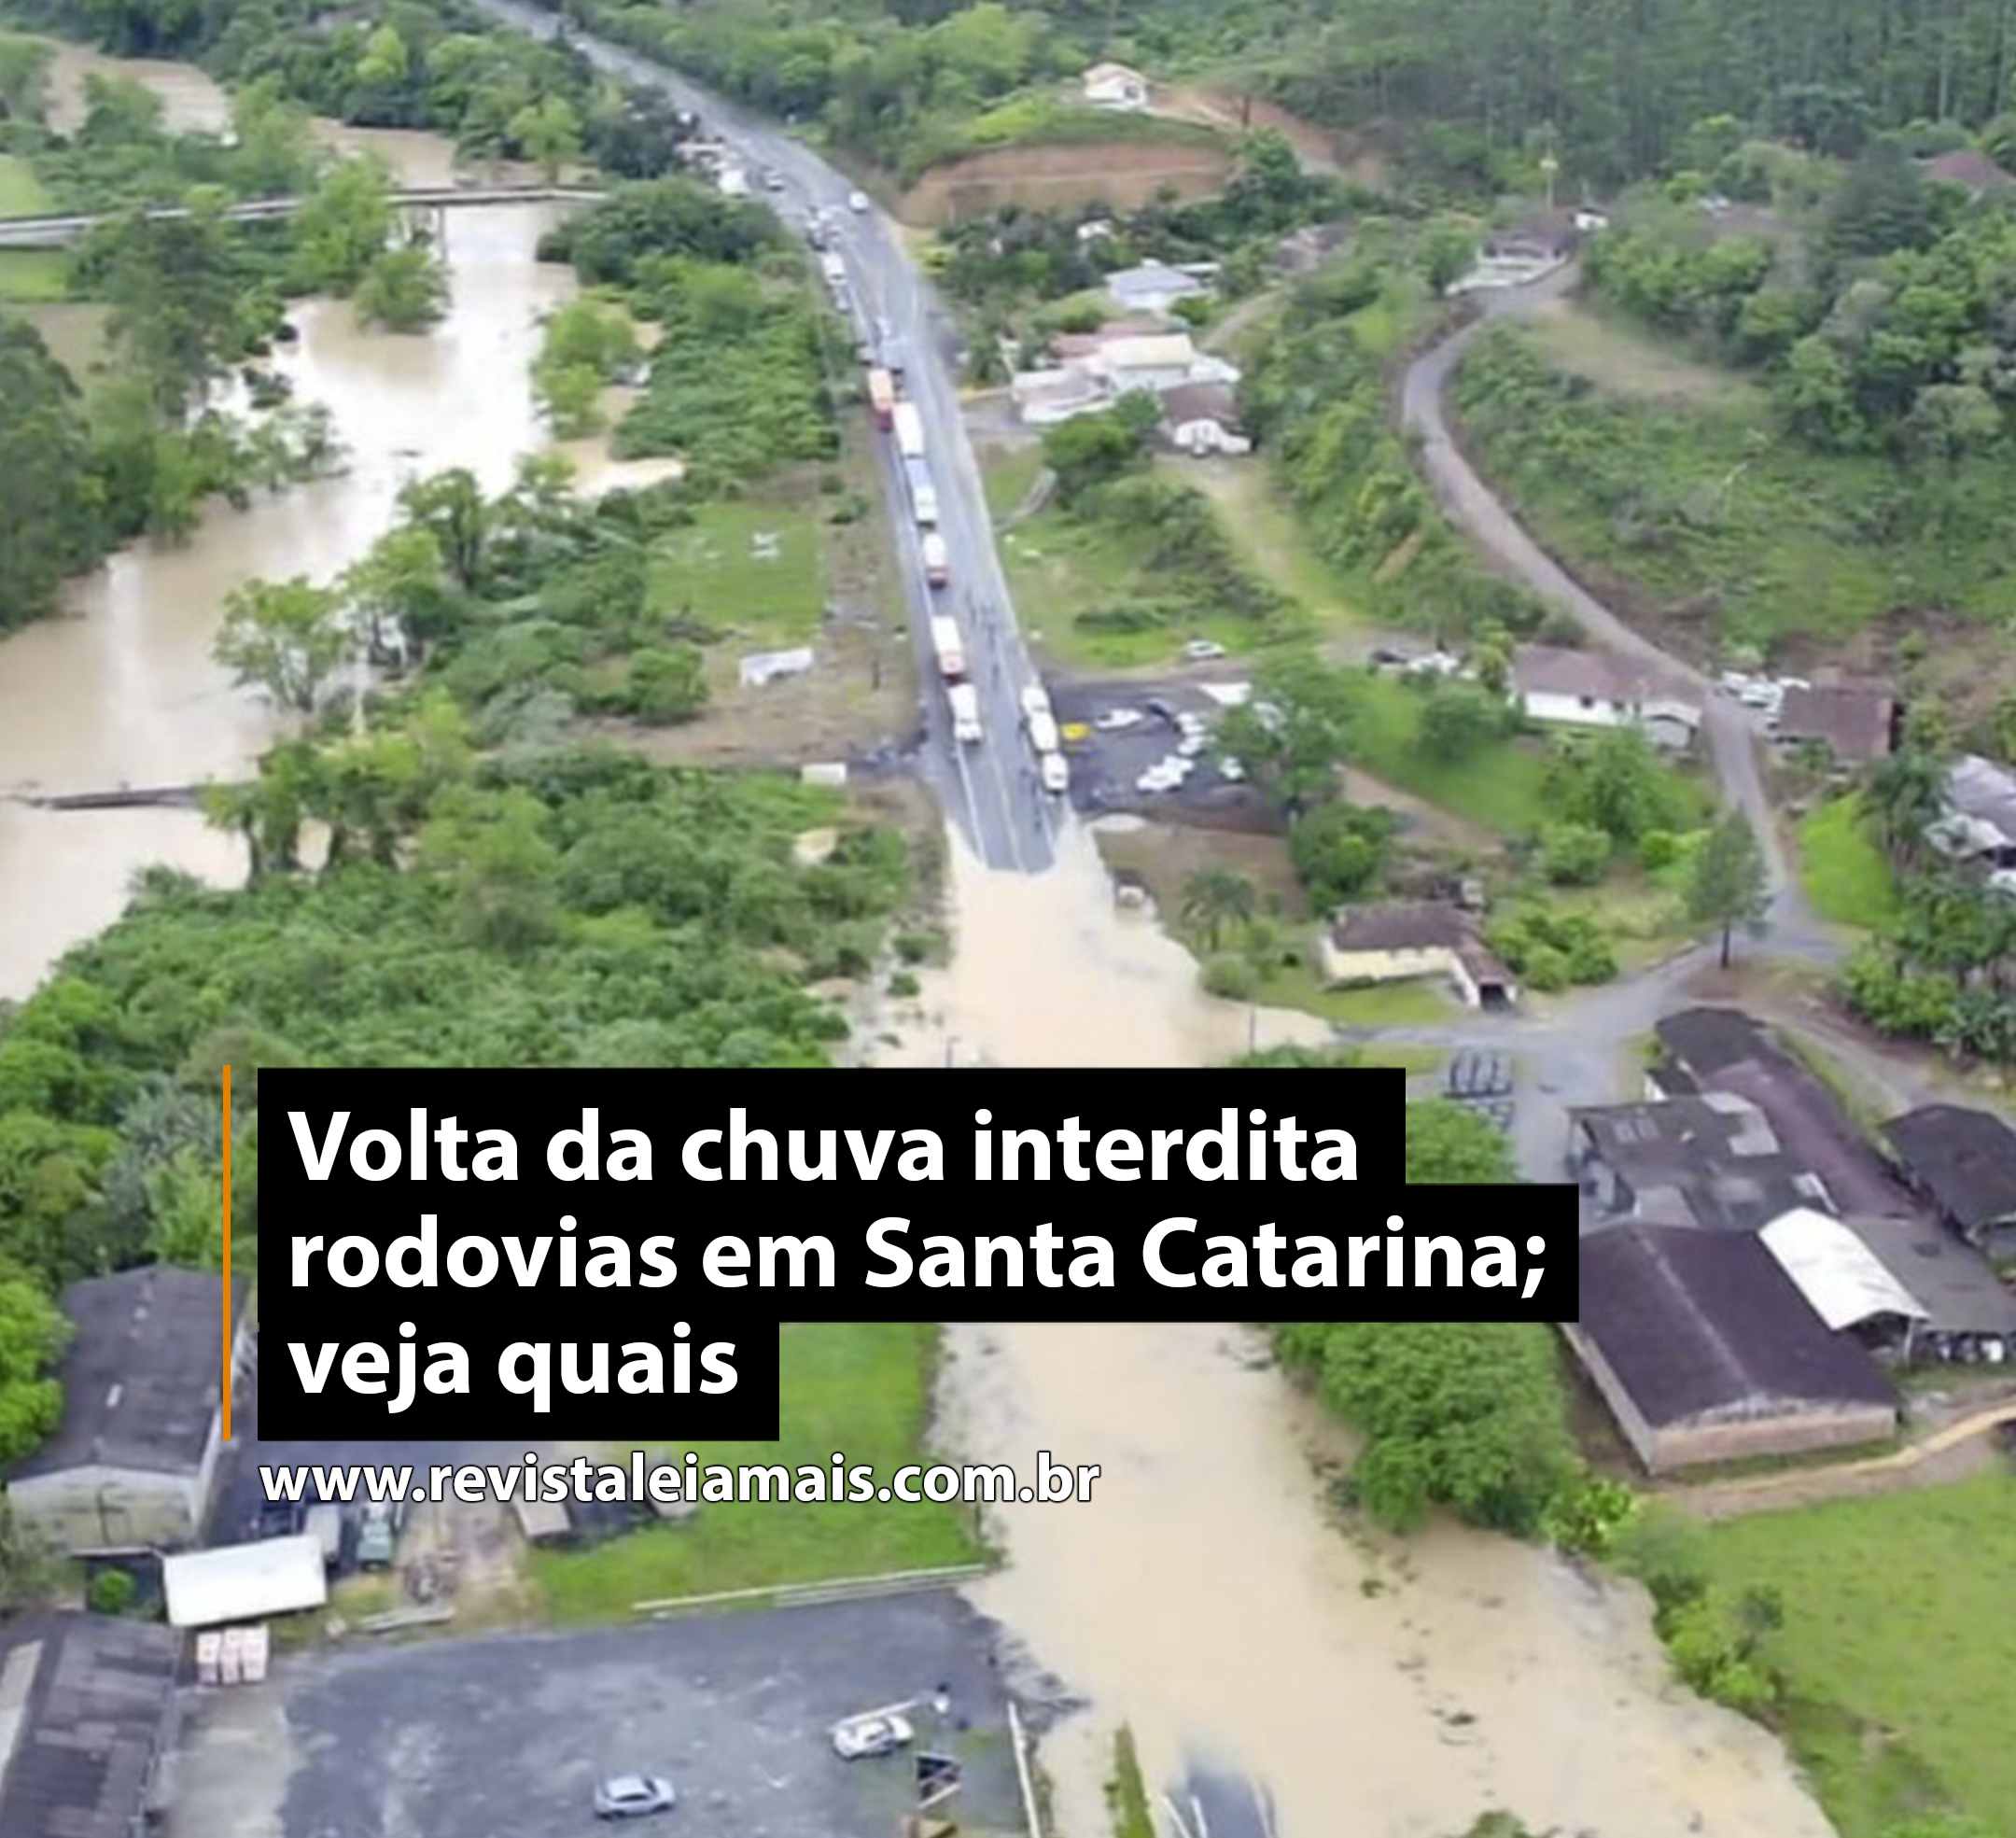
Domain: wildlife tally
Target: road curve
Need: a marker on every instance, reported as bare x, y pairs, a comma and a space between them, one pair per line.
991, 790
1475, 508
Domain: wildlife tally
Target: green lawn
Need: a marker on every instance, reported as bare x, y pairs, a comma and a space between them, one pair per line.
1008, 476
1059, 566
20, 190
1503, 785
1898, 1643
1254, 509
33, 274
1847, 879
860, 1389
1425, 1002
767, 594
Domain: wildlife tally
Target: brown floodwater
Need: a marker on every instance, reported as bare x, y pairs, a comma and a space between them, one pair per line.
1047, 970
123, 691
1207, 1597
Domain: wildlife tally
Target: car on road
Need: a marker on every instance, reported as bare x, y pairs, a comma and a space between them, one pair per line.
1202, 651
1035, 703
1043, 731
860, 1737
773, 180
857, 201
1055, 775
632, 1796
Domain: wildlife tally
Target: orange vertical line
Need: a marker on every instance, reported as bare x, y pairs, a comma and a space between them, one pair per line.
227, 1255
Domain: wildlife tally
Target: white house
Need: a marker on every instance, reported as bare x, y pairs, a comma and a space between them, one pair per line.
1201, 418
1402, 940
1044, 397
1154, 287
1592, 689
1117, 86
1166, 361
134, 1455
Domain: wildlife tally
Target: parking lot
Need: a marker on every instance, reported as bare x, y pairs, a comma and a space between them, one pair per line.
505, 1736
1132, 728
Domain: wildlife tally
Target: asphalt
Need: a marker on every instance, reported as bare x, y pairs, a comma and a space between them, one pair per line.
504, 1736
991, 790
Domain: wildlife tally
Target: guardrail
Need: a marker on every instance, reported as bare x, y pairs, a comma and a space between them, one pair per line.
801, 1595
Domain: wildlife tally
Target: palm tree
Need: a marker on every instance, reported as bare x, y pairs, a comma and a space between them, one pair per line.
1213, 898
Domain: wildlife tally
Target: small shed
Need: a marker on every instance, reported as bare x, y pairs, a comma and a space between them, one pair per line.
244, 1582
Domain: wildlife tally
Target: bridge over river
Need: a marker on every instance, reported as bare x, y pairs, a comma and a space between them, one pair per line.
57, 232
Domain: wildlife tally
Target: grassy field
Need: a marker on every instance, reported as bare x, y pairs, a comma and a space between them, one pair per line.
747, 564
1701, 512
29, 275
1613, 353
860, 1388
1898, 1645
1424, 1003
1008, 477
1259, 516
1059, 566
1847, 879
1502, 785
20, 190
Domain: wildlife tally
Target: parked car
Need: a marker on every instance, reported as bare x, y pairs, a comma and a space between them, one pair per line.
1161, 710
857, 201
773, 179
632, 1796
1231, 771
1113, 720
1202, 651
862, 1736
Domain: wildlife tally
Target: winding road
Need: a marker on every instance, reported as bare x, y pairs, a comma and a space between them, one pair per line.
991, 790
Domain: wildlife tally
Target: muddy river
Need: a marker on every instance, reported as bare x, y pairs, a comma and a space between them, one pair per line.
123, 691
1204, 1596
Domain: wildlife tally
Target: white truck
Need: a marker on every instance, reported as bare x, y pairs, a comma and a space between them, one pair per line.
923, 494
834, 269
965, 701
947, 647
1043, 731
937, 559
909, 427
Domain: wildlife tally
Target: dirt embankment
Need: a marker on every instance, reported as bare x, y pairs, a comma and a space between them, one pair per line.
1125, 175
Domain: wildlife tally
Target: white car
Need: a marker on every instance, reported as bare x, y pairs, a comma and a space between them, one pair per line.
1190, 745
1202, 651
632, 1796
857, 201
1113, 720
1036, 703
1232, 771
1157, 778
864, 1736
1056, 774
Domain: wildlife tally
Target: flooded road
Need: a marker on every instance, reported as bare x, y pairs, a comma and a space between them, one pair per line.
1206, 1597
1047, 970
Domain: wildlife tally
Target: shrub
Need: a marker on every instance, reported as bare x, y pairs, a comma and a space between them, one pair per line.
1657, 849
1572, 854
1232, 978
111, 1593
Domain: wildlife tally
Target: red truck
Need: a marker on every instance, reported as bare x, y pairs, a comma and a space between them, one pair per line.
882, 396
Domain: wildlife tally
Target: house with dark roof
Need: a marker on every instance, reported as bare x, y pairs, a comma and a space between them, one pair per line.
1548, 239
1704, 1349
1391, 941
1964, 1163
1203, 418
1561, 685
135, 1457
1711, 1161
1857, 727
1724, 1050
1974, 173
86, 1711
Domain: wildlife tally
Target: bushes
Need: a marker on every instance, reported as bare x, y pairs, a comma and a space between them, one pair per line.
1550, 949
1339, 850
1572, 854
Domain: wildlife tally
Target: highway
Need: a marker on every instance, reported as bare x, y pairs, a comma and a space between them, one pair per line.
991, 790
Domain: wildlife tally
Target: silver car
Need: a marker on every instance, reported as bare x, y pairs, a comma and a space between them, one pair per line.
632, 1796
864, 1736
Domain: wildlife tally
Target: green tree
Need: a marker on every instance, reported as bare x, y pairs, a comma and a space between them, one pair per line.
1727, 884
1615, 786
1090, 449
1448, 1144
180, 311
548, 133
1904, 797
1457, 722
32, 1334
1340, 850
450, 507
342, 226
1293, 733
24, 68
404, 290
1214, 898
288, 638
1883, 205
50, 498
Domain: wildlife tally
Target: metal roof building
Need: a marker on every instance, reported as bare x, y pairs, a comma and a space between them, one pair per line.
244, 1582
1846, 1282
